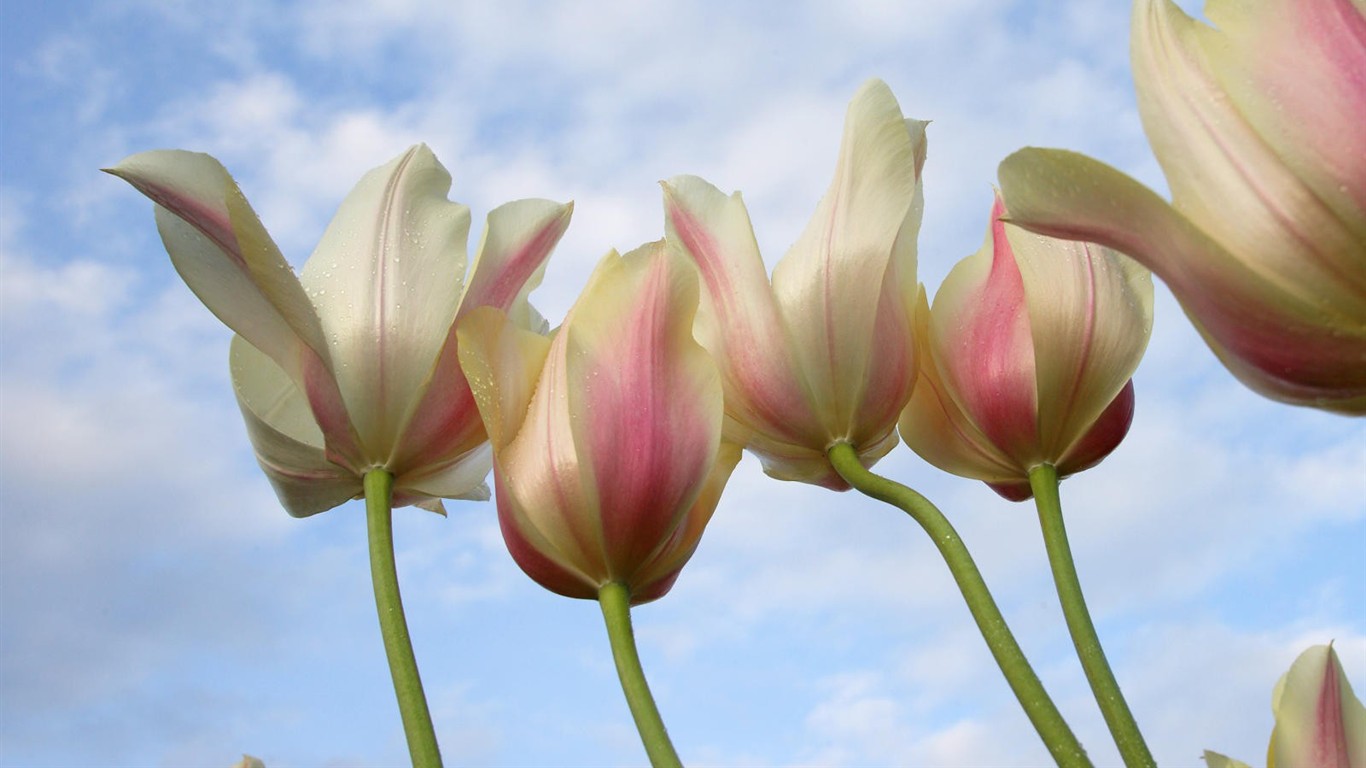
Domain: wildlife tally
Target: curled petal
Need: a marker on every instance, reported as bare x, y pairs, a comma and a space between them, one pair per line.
1302, 352
229, 261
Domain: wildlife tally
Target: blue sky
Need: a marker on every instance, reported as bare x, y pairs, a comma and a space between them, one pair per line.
157, 607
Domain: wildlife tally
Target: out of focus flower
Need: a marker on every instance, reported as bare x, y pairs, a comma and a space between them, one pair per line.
1026, 358
352, 366
823, 354
608, 455
1258, 128
1320, 723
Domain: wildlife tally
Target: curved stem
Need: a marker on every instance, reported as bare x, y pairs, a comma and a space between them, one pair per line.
1043, 480
1057, 736
412, 702
615, 599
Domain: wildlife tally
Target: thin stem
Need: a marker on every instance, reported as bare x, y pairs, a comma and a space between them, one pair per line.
1043, 480
412, 702
1038, 706
615, 599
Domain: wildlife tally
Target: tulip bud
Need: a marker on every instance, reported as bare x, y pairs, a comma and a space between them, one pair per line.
1026, 358
823, 354
607, 451
1258, 127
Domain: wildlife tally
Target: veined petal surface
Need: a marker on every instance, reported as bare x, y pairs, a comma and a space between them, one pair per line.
386, 279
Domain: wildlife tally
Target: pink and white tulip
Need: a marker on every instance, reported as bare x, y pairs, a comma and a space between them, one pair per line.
822, 354
607, 446
1026, 358
1258, 128
352, 365
1320, 723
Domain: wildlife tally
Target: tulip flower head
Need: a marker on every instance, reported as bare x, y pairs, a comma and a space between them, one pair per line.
1026, 358
1258, 127
352, 365
823, 354
608, 457
1320, 723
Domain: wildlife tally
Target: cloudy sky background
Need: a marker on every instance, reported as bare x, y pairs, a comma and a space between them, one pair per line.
157, 607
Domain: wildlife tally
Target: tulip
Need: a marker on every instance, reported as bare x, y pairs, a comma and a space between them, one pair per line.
607, 451
823, 354
1258, 128
352, 365
1320, 723
1026, 358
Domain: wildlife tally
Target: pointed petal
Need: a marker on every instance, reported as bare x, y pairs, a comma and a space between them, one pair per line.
386, 278
738, 321
984, 347
1223, 174
288, 444
1216, 760
851, 342
226, 257
645, 400
1319, 721
1307, 353
518, 239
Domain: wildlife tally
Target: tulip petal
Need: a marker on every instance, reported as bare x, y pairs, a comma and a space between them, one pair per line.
1272, 343
385, 279
461, 479
226, 257
1297, 72
1090, 316
1103, 437
645, 401
832, 286
518, 381
218, 245
737, 319
984, 347
1319, 721
1216, 760
288, 443
1223, 174
655, 578
936, 427
518, 239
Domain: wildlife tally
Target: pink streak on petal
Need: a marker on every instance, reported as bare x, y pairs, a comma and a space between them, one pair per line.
649, 432
213, 223
1330, 734
536, 564
995, 364
751, 359
446, 423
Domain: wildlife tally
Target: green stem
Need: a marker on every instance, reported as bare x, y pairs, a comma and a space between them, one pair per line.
412, 702
1038, 706
615, 599
1043, 480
